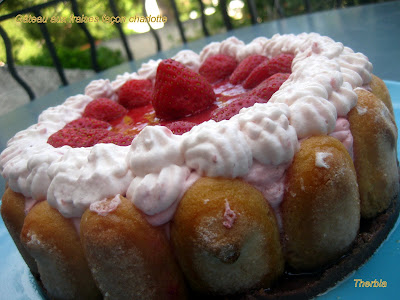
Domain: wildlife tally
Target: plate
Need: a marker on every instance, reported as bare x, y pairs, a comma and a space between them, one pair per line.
17, 283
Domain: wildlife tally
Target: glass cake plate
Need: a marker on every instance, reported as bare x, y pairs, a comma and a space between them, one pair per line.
17, 283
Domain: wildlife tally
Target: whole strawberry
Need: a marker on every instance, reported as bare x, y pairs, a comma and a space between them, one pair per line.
217, 67
87, 123
77, 137
135, 93
245, 67
179, 91
104, 109
228, 111
269, 86
279, 64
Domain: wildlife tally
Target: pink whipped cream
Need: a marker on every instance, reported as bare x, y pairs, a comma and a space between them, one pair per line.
229, 216
314, 100
105, 206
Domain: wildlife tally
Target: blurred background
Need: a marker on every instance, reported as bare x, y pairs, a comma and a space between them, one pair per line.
35, 65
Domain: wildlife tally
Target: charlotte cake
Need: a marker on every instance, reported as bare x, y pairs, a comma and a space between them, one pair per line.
211, 172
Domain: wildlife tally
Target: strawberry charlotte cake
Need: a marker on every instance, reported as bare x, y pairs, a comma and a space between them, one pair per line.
222, 173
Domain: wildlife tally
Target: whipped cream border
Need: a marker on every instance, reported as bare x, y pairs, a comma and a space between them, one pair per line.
319, 90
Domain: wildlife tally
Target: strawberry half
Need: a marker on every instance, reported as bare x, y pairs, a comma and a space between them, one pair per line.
87, 123
135, 93
233, 108
269, 86
104, 109
117, 139
180, 92
217, 67
244, 69
180, 127
279, 64
76, 137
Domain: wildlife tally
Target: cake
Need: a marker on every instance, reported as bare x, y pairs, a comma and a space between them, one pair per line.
216, 173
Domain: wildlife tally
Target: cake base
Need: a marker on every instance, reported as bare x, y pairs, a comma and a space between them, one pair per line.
309, 285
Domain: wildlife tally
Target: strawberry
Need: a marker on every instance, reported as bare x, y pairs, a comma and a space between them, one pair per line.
228, 111
270, 85
217, 67
76, 137
278, 64
117, 139
87, 123
244, 69
104, 109
180, 127
180, 92
135, 93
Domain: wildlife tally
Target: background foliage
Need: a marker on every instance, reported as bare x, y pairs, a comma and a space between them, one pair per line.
29, 46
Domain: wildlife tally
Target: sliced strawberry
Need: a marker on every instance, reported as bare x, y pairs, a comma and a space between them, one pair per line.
217, 67
77, 137
87, 123
278, 64
244, 69
180, 92
104, 109
135, 93
233, 108
180, 127
117, 139
269, 86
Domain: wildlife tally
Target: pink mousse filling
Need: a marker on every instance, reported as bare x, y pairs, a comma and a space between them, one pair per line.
343, 134
166, 215
29, 204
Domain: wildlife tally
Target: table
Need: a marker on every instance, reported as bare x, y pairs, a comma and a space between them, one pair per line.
371, 29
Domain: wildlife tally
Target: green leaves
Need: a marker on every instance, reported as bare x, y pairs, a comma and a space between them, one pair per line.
77, 58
